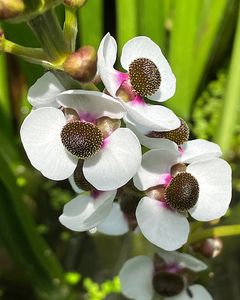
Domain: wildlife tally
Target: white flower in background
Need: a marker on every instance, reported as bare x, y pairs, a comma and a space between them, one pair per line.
89, 130
176, 183
92, 208
44, 91
87, 210
148, 75
170, 275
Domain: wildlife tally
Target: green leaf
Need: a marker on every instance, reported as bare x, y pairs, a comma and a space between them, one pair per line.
127, 20
195, 30
152, 18
5, 105
232, 97
91, 23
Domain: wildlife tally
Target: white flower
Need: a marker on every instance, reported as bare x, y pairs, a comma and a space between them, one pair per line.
54, 145
94, 208
115, 223
44, 91
148, 75
190, 151
87, 210
175, 184
139, 277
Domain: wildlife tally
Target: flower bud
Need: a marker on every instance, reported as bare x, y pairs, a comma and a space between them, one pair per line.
75, 3
82, 64
209, 248
11, 8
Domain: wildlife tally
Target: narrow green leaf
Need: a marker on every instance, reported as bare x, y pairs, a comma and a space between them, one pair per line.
127, 20
185, 25
212, 16
5, 105
152, 18
232, 97
19, 235
196, 26
91, 23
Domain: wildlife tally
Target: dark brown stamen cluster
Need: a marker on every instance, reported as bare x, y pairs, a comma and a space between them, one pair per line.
81, 139
144, 76
182, 192
79, 178
168, 284
178, 135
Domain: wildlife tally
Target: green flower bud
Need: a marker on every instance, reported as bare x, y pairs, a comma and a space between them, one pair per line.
82, 64
75, 3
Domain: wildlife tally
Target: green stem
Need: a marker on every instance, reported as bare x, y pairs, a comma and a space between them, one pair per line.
231, 100
218, 231
32, 55
70, 28
50, 35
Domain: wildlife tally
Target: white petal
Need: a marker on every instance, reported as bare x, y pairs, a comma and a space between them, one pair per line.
74, 186
44, 91
199, 150
40, 134
215, 188
198, 293
151, 143
163, 227
143, 47
153, 117
155, 164
91, 104
136, 278
115, 223
85, 212
183, 259
116, 163
107, 53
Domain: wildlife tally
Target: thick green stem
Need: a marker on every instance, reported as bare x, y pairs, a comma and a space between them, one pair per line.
218, 231
50, 35
32, 55
70, 27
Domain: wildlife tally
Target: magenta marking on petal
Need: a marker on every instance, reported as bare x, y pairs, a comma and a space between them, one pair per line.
138, 100
181, 150
173, 268
87, 117
164, 205
96, 193
165, 179
105, 143
122, 77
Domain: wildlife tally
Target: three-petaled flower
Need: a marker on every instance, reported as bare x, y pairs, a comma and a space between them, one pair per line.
170, 275
176, 182
86, 128
148, 75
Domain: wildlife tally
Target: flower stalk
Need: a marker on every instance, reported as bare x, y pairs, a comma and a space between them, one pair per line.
218, 231
47, 29
70, 27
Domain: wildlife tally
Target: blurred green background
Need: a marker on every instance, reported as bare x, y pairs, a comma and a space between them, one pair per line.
39, 259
